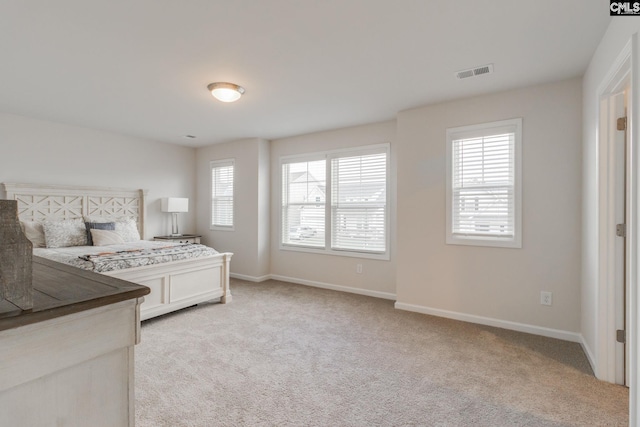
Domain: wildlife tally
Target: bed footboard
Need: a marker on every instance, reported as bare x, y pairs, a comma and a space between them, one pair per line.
226, 262
181, 284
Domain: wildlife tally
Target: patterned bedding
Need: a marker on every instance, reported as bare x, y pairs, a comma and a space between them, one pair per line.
117, 257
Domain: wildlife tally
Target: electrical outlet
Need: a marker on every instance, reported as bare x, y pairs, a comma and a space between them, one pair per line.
359, 268
545, 298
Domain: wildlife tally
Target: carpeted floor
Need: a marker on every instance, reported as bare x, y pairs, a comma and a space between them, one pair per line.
288, 355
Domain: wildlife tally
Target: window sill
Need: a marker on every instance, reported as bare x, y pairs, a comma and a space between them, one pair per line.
486, 242
221, 228
342, 253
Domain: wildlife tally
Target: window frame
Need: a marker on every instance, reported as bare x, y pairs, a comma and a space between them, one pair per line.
214, 164
328, 156
486, 129
304, 159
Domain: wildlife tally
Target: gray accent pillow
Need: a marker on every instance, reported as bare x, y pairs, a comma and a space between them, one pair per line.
68, 232
97, 226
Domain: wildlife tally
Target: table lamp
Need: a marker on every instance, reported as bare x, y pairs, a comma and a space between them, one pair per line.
175, 205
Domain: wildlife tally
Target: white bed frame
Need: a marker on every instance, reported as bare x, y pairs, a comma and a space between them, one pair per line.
173, 285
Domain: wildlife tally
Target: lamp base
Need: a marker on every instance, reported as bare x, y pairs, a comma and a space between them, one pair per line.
174, 224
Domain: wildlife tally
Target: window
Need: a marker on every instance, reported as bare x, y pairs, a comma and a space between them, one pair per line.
359, 202
484, 184
336, 202
303, 203
222, 194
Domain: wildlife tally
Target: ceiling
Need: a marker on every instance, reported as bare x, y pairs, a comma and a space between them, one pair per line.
141, 67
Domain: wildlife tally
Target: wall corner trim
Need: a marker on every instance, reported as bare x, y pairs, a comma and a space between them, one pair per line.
588, 352
488, 321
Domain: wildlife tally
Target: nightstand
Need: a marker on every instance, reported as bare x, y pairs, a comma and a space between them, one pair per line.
183, 238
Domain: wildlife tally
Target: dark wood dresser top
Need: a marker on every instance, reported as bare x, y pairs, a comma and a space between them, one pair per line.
59, 290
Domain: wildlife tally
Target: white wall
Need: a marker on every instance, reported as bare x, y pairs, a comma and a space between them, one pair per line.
249, 239
378, 277
42, 152
495, 283
617, 35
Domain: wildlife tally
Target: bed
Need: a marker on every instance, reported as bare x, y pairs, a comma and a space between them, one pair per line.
178, 275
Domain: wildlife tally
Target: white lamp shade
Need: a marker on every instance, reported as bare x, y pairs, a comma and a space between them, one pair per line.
175, 204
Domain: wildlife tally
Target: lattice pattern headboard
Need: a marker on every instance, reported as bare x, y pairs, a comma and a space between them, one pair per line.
54, 202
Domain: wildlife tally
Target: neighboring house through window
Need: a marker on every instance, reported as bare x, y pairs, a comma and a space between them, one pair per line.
484, 186
222, 172
337, 202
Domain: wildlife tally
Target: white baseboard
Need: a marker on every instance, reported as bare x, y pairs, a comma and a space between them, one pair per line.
588, 352
359, 291
504, 324
250, 278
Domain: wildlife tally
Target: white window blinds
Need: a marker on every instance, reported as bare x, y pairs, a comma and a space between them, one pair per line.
222, 193
484, 176
304, 187
336, 202
359, 202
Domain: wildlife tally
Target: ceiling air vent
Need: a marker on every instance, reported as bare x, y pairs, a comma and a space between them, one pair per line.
472, 72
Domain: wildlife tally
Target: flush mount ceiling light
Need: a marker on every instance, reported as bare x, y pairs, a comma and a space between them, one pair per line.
225, 92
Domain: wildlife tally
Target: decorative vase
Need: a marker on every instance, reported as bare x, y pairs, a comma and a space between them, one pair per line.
16, 253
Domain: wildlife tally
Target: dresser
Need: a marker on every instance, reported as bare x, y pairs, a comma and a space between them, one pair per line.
69, 361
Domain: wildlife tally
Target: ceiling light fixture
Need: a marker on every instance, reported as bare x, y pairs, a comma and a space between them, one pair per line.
225, 92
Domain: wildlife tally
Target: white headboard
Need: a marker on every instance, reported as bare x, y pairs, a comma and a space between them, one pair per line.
56, 202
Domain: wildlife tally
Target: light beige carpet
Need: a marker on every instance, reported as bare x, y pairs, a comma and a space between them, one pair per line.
289, 355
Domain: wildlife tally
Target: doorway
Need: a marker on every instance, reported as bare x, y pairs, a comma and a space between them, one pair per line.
623, 78
616, 225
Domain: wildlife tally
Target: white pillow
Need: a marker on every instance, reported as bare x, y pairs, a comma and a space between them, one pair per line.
68, 232
105, 237
34, 232
128, 229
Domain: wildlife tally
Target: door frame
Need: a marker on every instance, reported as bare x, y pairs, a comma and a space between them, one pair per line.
623, 73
